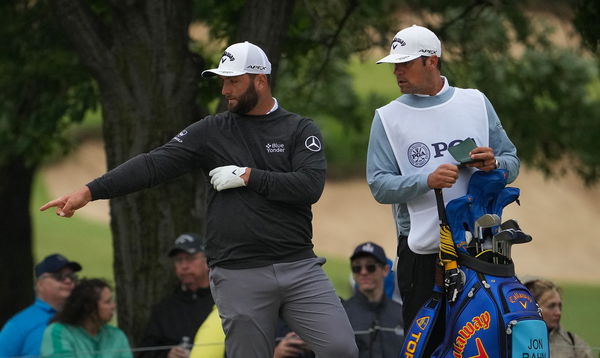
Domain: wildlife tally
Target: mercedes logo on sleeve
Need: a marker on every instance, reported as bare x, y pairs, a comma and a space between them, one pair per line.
313, 143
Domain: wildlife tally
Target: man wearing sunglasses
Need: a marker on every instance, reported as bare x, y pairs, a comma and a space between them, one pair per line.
55, 279
376, 319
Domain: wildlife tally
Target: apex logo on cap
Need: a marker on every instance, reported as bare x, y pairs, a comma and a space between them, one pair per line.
256, 67
428, 51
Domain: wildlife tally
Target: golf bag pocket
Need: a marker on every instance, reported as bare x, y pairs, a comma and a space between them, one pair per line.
494, 316
528, 339
526, 332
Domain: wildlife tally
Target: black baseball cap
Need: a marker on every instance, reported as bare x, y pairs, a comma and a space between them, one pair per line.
188, 242
370, 249
54, 263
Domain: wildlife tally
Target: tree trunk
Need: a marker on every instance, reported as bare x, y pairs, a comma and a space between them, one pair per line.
265, 24
147, 81
16, 275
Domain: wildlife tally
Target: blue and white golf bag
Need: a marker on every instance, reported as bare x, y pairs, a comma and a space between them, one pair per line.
494, 315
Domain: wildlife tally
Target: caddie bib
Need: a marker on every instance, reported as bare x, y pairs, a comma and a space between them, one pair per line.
420, 138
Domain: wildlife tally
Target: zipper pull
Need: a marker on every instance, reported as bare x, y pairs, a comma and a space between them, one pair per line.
510, 325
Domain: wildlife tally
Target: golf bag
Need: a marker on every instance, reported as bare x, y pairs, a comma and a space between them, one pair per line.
494, 315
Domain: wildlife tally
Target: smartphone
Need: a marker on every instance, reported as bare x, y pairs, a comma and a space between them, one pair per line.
460, 152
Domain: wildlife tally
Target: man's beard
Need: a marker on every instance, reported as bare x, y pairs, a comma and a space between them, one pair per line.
246, 102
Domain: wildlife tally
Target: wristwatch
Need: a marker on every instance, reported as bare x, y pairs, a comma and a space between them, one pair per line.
497, 164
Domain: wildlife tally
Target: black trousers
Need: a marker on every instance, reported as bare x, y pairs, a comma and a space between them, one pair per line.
416, 276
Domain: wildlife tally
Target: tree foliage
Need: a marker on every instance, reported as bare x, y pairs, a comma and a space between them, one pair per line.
44, 89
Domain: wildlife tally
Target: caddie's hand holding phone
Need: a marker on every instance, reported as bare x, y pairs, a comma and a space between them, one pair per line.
468, 154
461, 152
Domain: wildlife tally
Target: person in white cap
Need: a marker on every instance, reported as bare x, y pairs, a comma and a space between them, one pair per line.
267, 167
408, 154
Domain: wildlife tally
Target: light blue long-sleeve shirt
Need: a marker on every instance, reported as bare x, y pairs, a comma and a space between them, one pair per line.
387, 183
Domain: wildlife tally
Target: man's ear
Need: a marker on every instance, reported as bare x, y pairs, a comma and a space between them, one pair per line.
433, 61
261, 82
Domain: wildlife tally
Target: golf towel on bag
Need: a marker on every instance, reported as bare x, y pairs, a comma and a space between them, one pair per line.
494, 314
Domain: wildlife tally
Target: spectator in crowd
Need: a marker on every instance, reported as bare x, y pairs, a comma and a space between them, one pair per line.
563, 344
389, 283
55, 279
180, 313
375, 318
210, 338
289, 344
81, 329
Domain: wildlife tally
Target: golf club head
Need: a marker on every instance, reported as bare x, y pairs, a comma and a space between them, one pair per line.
510, 224
505, 235
521, 238
499, 241
485, 221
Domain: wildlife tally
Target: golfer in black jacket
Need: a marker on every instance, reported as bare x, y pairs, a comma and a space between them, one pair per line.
267, 167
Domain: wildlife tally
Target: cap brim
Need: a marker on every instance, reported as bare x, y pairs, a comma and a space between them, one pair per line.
175, 250
216, 72
363, 254
75, 266
397, 58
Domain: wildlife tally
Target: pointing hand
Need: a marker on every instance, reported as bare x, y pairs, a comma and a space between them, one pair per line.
67, 204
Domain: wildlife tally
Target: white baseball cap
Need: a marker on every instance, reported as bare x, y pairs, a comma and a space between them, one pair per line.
413, 42
241, 58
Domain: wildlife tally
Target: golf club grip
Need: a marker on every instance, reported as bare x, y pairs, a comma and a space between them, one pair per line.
439, 199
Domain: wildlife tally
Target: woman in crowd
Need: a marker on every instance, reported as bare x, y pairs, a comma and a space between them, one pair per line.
563, 344
81, 329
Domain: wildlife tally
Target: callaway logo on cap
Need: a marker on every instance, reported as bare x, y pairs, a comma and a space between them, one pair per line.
239, 59
413, 42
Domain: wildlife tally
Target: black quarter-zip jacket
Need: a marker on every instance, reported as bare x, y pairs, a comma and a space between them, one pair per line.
266, 222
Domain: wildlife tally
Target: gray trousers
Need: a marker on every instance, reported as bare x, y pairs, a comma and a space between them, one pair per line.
250, 301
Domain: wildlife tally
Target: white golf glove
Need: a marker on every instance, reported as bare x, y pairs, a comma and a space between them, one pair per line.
227, 177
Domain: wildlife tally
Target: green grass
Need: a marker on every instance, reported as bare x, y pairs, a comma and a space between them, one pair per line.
581, 312
84, 241
338, 270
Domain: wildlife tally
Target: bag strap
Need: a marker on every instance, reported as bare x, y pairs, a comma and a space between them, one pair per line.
572, 338
504, 270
